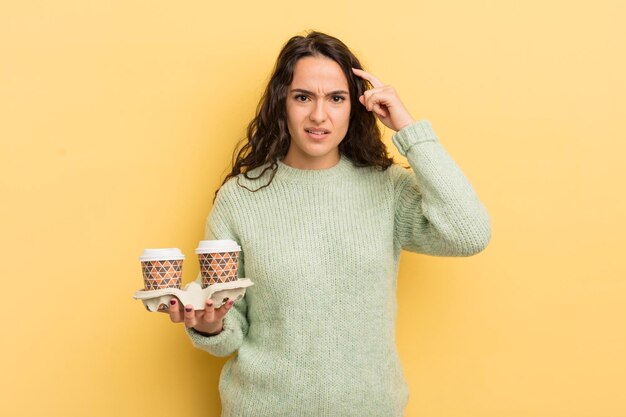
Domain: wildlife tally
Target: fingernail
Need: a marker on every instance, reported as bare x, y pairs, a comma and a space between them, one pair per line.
231, 302
188, 309
173, 301
209, 303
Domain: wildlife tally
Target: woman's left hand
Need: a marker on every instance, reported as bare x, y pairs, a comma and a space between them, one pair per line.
384, 102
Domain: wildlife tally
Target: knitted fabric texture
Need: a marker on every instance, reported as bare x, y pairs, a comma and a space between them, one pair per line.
315, 335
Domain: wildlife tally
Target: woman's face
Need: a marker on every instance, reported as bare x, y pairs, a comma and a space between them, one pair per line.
318, 113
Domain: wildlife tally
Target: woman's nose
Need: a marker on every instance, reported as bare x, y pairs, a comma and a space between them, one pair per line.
318, 112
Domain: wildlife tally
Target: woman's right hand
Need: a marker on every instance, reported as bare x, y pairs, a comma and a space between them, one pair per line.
208, 321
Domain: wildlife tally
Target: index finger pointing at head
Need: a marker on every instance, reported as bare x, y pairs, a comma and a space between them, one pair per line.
369, 77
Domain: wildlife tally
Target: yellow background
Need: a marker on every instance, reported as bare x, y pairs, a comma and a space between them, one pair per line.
117, 123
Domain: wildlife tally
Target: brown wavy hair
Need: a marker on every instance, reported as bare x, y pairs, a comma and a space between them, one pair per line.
268, 138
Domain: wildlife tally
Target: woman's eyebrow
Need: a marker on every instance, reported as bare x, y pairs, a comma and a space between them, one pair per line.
332, 93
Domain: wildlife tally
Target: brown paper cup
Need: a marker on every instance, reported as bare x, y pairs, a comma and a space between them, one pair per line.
218, 267
162, 268
162, 274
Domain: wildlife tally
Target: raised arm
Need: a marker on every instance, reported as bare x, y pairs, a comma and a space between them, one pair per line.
437, 211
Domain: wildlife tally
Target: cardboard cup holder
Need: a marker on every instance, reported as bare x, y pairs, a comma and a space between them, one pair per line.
194, 294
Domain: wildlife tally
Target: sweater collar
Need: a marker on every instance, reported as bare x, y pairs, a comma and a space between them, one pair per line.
288, 173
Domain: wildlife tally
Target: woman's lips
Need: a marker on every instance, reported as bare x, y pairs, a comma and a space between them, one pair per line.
317, 134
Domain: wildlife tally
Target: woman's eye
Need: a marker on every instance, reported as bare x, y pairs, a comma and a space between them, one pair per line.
301, 98
338, 99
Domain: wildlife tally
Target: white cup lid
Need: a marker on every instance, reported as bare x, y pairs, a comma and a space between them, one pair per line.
161, 254
210, 246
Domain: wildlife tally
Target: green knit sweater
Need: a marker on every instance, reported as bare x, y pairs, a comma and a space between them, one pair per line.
315, 335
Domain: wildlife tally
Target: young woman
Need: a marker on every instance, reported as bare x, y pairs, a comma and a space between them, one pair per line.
321, 214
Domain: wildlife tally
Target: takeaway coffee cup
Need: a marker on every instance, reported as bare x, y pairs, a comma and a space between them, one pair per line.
219, 260
162, 268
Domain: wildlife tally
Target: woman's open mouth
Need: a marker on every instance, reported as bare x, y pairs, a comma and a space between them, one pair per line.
317, 133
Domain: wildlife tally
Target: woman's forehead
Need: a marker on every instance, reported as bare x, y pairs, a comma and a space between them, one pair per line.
318, 74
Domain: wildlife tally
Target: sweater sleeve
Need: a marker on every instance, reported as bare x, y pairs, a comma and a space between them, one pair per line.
235, 328
436, 210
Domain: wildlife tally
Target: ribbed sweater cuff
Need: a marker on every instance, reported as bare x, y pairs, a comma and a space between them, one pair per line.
413, 134
222, 344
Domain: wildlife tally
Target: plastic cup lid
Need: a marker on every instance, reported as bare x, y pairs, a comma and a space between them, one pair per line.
162, 254
210, 246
